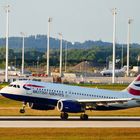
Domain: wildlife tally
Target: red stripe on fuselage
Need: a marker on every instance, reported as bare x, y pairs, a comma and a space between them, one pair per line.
134, 91
30, 85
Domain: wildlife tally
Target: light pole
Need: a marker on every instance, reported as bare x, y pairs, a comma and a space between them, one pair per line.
7, 43
128, 44
15, 63
22, 67
138, 60
66, 48
38, 64
122, 57
60, 66
48, 45
114, 41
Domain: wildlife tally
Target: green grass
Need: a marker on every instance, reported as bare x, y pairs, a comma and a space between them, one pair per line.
69, 133
5, 102
3, 85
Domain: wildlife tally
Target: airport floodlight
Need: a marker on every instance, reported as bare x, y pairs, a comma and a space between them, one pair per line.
60, 66
7, 9
130, 20
128, 44
49, 19
23, 43
48, 45
114, 42
114, 11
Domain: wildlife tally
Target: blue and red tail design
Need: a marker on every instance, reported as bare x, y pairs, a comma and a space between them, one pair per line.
134, 87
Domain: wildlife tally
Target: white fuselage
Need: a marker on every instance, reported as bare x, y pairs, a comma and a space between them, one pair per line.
30, 91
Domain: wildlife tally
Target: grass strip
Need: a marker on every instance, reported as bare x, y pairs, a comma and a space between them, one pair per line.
69, 133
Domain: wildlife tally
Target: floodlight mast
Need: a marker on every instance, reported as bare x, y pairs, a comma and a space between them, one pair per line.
22, 67
114, 41
48, 45
60, 66
128, 44
122, 58
66, 53
7, 42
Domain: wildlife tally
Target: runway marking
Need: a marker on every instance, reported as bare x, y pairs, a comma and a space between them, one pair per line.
73, 122
69, 124
71, 118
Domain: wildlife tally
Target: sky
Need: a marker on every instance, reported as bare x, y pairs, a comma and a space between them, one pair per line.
77, 20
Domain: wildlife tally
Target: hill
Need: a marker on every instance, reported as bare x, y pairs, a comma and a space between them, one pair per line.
39, 43
98, 52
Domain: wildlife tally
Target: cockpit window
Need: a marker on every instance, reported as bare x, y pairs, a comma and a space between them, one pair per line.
15, 86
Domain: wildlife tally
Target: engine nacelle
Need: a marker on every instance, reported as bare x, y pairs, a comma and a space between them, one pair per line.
41, 106
70, 106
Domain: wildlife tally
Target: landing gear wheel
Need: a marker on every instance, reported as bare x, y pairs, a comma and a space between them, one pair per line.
64, 116
22, 110
84, 117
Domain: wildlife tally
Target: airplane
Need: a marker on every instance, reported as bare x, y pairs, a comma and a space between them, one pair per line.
71, 99
118, 72
10, 72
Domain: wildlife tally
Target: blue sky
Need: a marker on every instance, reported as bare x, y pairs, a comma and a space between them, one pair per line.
78, 20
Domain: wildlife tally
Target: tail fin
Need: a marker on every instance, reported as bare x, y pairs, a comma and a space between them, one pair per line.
134, 87
124, 68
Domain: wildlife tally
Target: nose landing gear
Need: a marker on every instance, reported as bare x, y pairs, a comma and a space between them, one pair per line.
22, 110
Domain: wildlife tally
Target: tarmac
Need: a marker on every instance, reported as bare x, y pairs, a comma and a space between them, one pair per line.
72, 122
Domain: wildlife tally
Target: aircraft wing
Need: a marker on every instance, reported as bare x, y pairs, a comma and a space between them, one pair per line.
104, 101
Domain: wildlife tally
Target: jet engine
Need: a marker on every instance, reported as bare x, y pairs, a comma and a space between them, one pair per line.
70, 106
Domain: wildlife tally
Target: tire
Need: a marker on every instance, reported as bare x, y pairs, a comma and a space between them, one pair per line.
84, 117
22, 110
64, 116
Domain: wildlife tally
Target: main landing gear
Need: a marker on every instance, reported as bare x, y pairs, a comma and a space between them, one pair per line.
84, 116
22, 110
64, 116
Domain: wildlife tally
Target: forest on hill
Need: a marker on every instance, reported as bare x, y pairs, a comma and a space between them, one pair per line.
97, 52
